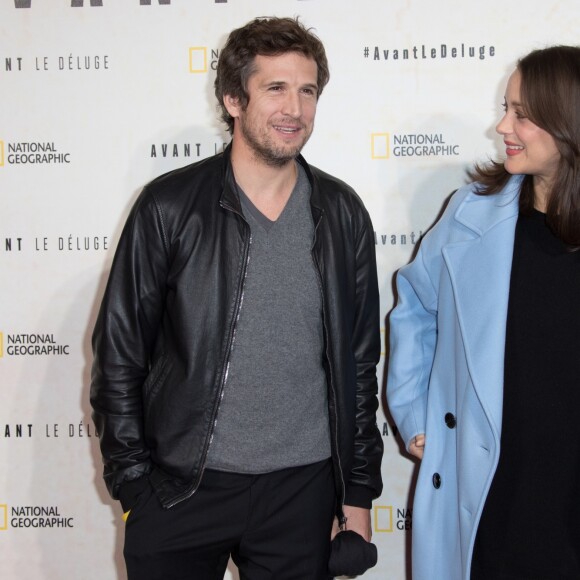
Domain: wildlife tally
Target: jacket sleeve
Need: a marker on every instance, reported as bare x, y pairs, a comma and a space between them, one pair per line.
413, 334
123, 339
365, 482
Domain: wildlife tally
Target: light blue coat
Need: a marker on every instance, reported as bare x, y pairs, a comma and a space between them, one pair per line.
446, 371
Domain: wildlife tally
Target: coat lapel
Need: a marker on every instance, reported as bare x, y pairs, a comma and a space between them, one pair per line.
480, 269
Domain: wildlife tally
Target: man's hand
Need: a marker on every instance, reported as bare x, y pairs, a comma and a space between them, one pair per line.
357, 519
417, 446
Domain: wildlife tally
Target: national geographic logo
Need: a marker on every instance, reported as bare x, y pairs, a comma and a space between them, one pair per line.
388, 519
31, 345
41, 517
421, 52
385, 145
203, 59
32, 153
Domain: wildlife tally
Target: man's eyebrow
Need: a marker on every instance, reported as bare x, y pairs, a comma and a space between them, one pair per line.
311, 86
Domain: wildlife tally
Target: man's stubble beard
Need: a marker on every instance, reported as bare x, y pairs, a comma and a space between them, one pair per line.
265, 150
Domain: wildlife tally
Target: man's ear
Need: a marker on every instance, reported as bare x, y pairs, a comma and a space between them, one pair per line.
232, 105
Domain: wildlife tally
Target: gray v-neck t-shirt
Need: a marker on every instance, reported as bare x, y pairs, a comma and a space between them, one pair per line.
274, 411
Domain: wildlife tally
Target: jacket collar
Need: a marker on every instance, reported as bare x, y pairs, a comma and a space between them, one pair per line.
480, 213
315, 197
229, 198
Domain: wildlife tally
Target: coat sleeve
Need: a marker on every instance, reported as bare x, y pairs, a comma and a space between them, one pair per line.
413, 334
123, 340
365, 481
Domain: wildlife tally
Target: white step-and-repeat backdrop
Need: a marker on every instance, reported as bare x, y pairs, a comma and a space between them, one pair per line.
97, 97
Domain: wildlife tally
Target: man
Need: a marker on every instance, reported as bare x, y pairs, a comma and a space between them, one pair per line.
234, 382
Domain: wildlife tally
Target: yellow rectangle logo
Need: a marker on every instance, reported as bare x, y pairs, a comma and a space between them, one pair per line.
3, 516
1, 344
1, 153
380, 146
383, 342
198, 59
383, 518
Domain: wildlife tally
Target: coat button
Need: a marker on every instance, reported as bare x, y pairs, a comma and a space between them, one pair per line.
450, 420
436, 481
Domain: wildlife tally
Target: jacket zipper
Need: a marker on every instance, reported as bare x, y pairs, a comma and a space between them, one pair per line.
225, 372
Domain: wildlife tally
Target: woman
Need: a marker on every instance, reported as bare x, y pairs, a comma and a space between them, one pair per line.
484, 373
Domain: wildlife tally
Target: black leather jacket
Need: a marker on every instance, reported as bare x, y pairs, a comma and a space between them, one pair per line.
164, 332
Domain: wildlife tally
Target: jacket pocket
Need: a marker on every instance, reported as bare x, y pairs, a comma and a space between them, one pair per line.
131, 491
139, 502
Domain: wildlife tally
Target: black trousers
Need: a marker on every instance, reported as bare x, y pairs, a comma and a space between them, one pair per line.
275, 526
